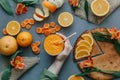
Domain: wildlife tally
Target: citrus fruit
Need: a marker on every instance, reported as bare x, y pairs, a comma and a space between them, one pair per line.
82, 53
88, 38
100, 7
84, 42
13, 28
65, 19
8, 45
52, 46
82, 47
57, 3
49, 5
73, 77
24, 39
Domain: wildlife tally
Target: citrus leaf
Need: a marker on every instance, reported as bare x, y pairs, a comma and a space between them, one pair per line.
6, 74
6, 7
86, 8
102, 37
16, 53
107, 38
94, 69
27, 2
117, 45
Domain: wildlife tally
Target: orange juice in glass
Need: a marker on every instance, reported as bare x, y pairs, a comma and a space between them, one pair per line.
53, 45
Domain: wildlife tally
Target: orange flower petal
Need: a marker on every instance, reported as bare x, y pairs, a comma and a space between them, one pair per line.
117, 35
20, 59
20, 66
12, 62
25, 9
88, 63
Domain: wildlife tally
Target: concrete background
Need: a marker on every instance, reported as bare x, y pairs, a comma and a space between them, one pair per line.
78, 26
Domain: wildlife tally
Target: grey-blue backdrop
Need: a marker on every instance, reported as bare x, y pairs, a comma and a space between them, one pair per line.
78, 26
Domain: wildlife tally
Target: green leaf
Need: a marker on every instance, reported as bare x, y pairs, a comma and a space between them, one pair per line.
117, 45
6, 74
115, 73
102, 37
16, 53
94, 69
86, 8
17, 1
107, 38
88, 70
27, 2
6, 7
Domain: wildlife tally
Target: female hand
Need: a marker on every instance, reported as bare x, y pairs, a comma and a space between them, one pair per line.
57, 64
67, 49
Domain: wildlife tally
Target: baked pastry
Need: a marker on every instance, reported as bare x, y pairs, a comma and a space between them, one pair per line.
95, 50
108, 61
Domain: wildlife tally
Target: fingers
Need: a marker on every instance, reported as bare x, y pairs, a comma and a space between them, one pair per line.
67, 42
64, 37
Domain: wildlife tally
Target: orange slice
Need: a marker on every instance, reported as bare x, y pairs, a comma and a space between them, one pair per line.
65, 19
81, 54
82, 47
13, 28
88, 38
51, 46
83, 42
73, 77
100, 7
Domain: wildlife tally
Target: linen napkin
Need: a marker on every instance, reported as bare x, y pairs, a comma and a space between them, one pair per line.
114, 4
16, 74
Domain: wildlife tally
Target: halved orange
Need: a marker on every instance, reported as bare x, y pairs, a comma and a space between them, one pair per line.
74, 77
13, 28
100, 7
82, 53
65, 19
88, 37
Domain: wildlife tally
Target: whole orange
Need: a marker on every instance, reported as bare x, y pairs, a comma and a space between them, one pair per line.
24, 39
8, 45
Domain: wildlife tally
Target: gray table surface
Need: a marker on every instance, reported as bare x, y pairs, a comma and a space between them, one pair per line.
78, 26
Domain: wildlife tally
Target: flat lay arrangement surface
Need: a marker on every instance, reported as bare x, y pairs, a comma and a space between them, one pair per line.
30, 41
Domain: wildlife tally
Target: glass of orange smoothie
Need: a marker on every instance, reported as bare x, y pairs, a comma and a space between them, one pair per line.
53, 45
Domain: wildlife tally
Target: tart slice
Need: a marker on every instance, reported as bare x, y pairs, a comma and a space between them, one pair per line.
109, 61
85, 46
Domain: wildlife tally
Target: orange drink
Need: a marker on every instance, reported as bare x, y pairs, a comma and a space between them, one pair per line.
52, 44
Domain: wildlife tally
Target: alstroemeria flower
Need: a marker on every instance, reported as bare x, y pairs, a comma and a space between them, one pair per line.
87, 63
18, 62
115, 34
74, 3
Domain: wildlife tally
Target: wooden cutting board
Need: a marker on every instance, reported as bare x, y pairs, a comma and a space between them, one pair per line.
114, 4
